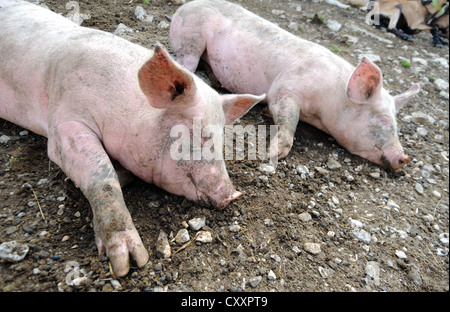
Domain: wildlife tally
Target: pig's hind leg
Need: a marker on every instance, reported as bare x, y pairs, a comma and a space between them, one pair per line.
188, 44
79, 152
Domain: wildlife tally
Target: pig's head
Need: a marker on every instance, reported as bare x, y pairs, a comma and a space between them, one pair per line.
189, 159
367, 124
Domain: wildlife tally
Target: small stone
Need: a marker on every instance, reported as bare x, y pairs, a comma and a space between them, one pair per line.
4, 139
271, 276
296, 250
254, 281
277, 12
321, 170
197, 223
333, 164
441, 84
428, 218
334, 25
122, 29
419, 188
268, 169
444, 238
400, 254
323, 272
312, 248
23, 133
116, 284
436, 194
142, 15
305, 216
182, 236
375, 175
235, 228
204, 237
13, 251
421, 117
422, 131
65, 238
362, 235
163, 25
372, 273
163, 249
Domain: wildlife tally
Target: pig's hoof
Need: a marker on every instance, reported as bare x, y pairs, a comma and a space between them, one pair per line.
119, 247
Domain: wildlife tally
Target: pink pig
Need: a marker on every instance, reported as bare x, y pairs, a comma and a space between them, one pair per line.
96, 96
302, 80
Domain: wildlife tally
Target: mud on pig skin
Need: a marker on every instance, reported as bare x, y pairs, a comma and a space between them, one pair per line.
302, 80
96, 96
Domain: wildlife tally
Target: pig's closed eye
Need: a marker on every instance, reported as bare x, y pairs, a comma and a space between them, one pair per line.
385, 120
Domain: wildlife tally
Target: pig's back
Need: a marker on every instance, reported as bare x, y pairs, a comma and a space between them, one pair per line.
248, 53
42, 51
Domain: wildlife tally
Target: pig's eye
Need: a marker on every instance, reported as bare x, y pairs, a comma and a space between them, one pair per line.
385, 120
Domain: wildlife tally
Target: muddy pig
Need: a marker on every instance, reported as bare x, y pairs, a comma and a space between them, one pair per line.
302, 80
98, 97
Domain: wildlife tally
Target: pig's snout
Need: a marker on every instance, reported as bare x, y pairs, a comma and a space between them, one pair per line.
399, 161
395, 162
234, 196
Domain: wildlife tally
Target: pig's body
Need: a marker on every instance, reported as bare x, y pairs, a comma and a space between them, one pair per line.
302, 80
94, 94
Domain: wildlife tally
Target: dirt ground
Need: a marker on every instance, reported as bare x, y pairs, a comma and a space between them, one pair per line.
376, 230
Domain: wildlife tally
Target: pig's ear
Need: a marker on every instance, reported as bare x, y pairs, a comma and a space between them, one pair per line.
401, 99
235, 106
164, 82
365, 82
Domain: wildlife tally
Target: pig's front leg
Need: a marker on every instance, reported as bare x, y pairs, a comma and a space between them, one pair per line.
79, 152
285, 111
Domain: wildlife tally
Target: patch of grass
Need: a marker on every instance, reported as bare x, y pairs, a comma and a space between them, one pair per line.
406, 64
300, 27
146, 2
432, 78
334, 49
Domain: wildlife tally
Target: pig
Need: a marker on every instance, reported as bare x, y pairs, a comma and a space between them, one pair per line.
302, 80
99, 98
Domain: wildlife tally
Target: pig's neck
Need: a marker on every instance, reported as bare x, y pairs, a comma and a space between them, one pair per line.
321, 96
136, 143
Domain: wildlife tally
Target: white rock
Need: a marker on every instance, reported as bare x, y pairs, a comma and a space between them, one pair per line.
142, 15
254, 281
235, 228
421, 117
312, 248
444, 238
163, 249
271, 276
204, 237
163, 25
182, 236
419, 60
277, 12
334, 25
441, 84
13, 251
305, 216
4, 139
197, 223
400, 254
372, 273
337, 3
122, 29
267, 168
362, 235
